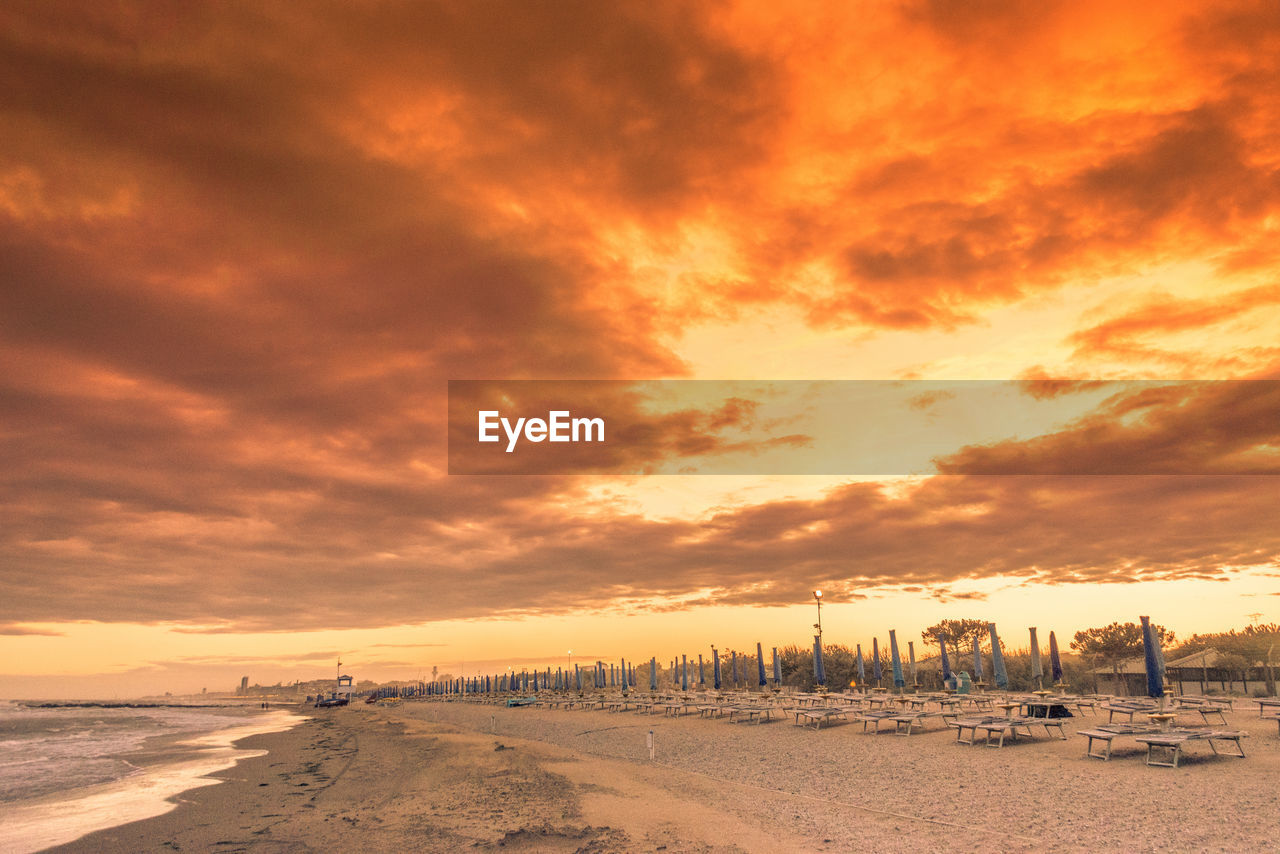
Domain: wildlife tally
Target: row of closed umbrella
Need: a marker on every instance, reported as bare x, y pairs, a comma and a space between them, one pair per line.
625, 675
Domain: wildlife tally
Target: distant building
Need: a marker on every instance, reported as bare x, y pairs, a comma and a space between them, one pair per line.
244, 685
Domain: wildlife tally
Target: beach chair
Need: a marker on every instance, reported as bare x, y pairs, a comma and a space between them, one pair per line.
1170, 744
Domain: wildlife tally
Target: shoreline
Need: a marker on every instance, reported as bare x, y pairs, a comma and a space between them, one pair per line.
436, 776
165, 767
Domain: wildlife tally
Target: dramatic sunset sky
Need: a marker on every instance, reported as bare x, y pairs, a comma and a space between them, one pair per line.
245, 246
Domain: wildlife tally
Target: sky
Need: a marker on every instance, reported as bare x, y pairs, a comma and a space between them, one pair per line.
244, 248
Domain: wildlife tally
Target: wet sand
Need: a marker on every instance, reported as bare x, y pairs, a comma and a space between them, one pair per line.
448, 776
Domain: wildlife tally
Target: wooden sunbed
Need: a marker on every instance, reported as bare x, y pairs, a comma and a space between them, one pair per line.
1014, 725
1171, 743
1121, 708
1107, 733
751, 714
817, 715
971, 725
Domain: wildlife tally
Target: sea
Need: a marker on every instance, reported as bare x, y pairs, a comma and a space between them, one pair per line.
68, 770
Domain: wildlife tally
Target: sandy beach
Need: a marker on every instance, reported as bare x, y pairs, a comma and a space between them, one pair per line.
437, 776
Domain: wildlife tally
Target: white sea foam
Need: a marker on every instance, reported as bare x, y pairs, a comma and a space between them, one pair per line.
76, 781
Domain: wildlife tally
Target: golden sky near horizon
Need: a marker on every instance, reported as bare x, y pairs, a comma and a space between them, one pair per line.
246, 246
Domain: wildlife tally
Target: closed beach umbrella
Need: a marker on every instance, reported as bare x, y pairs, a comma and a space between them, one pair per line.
895, 660
684, 673
760, 665
1152, 656
777, 668
653, 673
862, 671
977, 661
733, 668
997, 659
1037, 669
819, 674
1055, 660
577, 675
911, 654
715, 668
876, 670
946, 662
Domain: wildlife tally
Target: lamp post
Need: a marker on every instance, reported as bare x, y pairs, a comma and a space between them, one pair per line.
817, 596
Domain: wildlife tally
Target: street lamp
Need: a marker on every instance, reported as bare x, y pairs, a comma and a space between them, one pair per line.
817, 595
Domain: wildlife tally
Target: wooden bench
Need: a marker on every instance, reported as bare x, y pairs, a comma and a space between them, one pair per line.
1173, 741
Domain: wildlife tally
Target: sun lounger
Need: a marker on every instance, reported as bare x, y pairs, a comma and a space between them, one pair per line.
1117, 707
751, 714
1171, 743
1275, 718
1013, 726
1107, 733
818, 715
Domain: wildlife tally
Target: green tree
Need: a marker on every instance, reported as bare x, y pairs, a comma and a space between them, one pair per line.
1116, 642
963, 634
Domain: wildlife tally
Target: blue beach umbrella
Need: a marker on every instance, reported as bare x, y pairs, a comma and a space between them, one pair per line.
715, 670
760, 665
777, 668
946, 662
997, 660
819, 674
1153, 659
977, 660
1055, 660
1037, 669
895, 660
684, 673
653, 673
862, 671
876, 670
